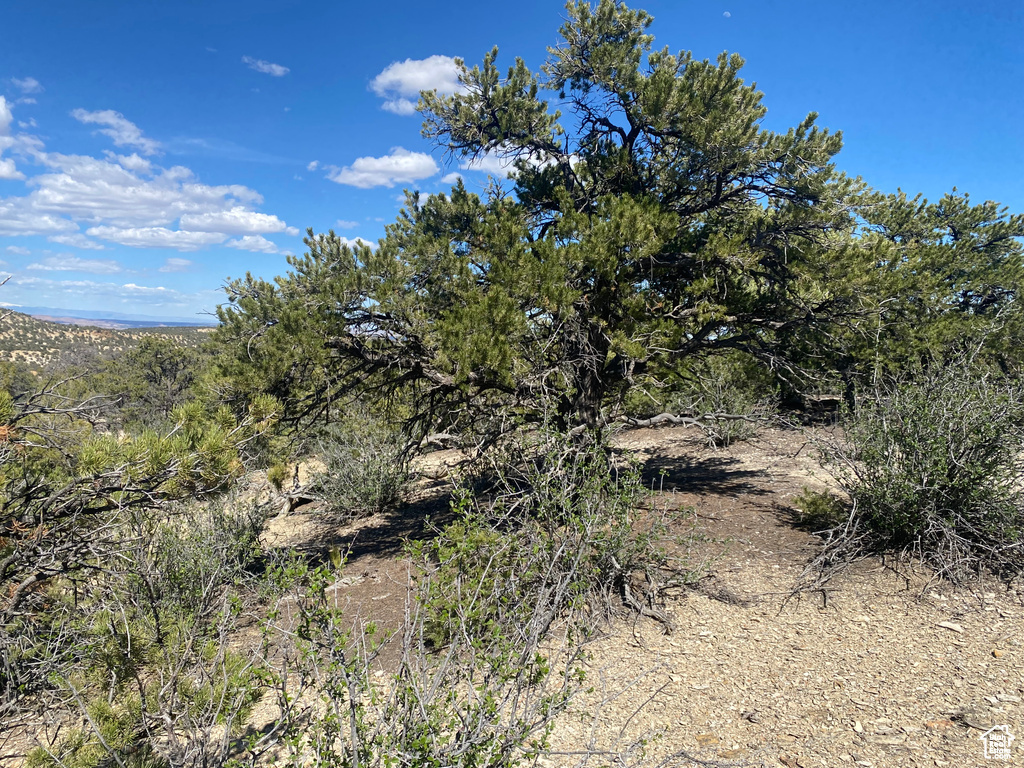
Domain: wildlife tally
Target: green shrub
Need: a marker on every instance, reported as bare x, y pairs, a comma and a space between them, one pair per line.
563, 528
933, 465
819, 508
277, 474
365, 466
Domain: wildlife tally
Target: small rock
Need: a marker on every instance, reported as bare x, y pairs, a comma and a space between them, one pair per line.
1007, 698
998, 653
939, 725
707, 739
951, 626
858, 727
861, 619
886, 740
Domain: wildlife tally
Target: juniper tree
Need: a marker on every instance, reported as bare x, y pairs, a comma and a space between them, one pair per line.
650, 218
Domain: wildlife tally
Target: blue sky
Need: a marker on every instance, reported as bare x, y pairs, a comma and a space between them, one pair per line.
151, 150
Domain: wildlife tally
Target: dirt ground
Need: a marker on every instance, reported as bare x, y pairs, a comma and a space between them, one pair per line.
884, 667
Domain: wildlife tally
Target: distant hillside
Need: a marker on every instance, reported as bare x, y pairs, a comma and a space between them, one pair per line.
40, 343
104, 319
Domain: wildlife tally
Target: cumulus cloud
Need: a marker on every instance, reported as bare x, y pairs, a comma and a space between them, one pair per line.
9, 171
237, 221
501, 162
156, 237
89, 290
356, 241
266, 67
313, 165
451, 178
400, 83
125, 199
69, 263
131, 162
343, 224
400, 167
99, 191
128, 201
17, 249
254, 243
493, 163
123, 131
176, 265
27, 85
18, 216
78, 240
5, 117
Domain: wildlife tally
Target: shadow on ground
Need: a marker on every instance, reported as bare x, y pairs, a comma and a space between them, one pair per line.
720, 475
386, 535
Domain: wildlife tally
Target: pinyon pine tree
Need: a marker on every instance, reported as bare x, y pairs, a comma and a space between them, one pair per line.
649, 219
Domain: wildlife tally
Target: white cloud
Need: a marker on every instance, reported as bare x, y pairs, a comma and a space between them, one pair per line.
30, 123
89, 290
9, 171
502, 162
451, 178
400, 83
78, 240
313, 165
156, 237
123, 131
19, 217
727, 14
343, 224
5, 117
176, 265
18, 250
124, 198
254, 243
68, 263
266, 67
27, 85
237, 221
400, 167
101, 192
131, 162
491, 163
356, 241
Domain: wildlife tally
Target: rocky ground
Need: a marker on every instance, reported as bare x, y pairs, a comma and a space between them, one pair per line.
883, 667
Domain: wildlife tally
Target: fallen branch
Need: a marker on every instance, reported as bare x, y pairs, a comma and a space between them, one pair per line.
692, 421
